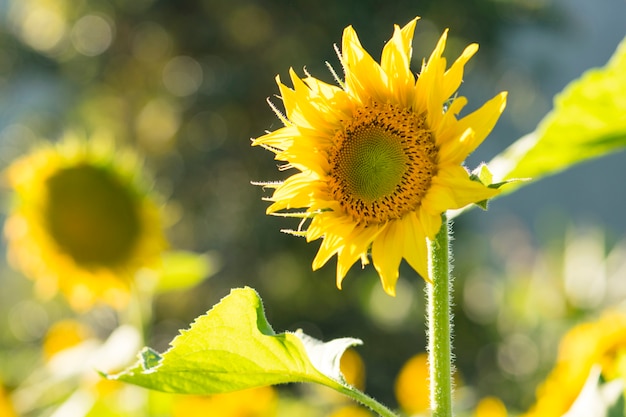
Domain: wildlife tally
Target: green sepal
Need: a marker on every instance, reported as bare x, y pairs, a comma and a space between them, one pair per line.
483, 175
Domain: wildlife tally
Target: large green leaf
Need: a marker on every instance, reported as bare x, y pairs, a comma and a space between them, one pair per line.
233, 347
588, 121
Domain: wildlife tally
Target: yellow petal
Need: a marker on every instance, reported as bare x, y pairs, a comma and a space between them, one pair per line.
442, 132
430, 219
483, 120
280, 139
364, 77
396, 60
330, 245
453, 76
329, 223
295, 192
387, 250
452, 189
309, 110
289, 99
415, 249
428, 92
359, 242
452, 150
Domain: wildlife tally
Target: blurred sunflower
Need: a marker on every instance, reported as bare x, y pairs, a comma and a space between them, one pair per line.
602, 343
83, 222
380, 157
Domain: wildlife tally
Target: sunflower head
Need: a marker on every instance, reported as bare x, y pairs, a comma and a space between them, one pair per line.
83, 222
379, 158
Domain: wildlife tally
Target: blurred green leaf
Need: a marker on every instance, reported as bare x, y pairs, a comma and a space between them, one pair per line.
183, 269
588, 121
233, 347
617, 409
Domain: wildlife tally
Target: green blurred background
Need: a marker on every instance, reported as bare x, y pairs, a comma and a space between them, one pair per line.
185, 83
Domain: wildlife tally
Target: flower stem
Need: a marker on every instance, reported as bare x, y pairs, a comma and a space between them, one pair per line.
439, 323
366, 400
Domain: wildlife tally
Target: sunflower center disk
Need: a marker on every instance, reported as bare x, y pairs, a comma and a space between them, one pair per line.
382, 163
92, 216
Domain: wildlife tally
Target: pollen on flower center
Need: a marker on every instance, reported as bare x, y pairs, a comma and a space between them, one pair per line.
382, 163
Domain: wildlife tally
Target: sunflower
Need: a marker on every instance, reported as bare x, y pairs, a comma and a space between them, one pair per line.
380, 157
83, 222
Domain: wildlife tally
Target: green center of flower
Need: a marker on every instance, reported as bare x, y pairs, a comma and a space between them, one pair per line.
372, 163
382, 163
92, 216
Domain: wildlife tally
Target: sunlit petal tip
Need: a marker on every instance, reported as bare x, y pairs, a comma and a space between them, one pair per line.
342, 271
319, 261
469, 51
407, 31
390, 289
350, 40
410, 27
503, 97
441, 45
279, 81
339, 280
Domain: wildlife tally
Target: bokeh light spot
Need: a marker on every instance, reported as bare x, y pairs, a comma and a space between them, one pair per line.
157, 124
481, 298
391, 311
250, 25
28, 321
91, 35
151, 42
207, 130
518, 355
182, 76
43, 28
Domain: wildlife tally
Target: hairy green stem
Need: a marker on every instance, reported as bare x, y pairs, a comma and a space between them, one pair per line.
440, 323
367, 401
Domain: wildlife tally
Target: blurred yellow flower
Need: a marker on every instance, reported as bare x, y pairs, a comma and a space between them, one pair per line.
6, 408
490, 407
380, 158
412, 387
83, 222
63, 335
602, 342
353, 368
256, 402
